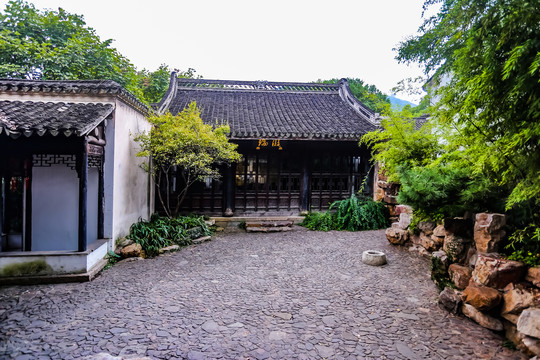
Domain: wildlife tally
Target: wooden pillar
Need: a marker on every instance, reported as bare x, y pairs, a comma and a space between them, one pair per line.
305, 181
101, 202
28, 203
230, 172
83, 190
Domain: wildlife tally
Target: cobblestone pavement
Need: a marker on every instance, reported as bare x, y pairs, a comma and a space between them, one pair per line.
295, 295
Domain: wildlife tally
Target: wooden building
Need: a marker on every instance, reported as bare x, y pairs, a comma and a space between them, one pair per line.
69, 176
299, 143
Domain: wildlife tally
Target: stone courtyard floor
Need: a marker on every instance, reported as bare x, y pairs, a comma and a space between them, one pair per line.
294, 295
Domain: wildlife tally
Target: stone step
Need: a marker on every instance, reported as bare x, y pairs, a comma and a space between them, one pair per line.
269, 224
268, 229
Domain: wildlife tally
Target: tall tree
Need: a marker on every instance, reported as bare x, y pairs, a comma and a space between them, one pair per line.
366, 93
485, 57
57, 45
154, 84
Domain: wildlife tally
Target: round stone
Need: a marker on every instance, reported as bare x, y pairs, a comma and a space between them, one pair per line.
373, 257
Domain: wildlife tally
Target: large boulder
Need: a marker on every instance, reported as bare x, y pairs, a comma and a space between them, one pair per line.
450, 299
516, 298
456, 247
482, 319
529, 322
133, 250
533, 276
460, 275
397, 236
404, 209
481, 297
532, 345
428, 243
404, 220
426, 227
379, 194
488, 231
439, 231
494, 271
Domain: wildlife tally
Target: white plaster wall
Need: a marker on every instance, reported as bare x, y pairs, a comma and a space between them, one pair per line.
131, 188
92, 206
55, 208
108, 179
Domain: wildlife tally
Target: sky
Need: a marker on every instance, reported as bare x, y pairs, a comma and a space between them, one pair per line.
278, 40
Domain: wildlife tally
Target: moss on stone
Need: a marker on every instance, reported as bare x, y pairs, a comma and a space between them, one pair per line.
36, 267
439, 274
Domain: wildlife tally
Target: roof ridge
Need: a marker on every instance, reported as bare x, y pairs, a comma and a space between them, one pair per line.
260, 85
93, 87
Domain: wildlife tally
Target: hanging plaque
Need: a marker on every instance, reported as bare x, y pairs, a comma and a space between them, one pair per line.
263, 143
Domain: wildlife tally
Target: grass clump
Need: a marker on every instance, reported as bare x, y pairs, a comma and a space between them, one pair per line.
160, 232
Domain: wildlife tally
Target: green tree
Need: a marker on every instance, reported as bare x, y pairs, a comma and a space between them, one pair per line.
485, 56
185, 143
398, 144
154, 84
367, 94
57, 45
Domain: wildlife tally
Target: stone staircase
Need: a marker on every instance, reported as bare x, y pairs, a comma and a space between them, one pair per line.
269, 226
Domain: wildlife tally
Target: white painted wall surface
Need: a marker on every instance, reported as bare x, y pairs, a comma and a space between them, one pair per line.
55, 208
92, 206
108, 179
131, 182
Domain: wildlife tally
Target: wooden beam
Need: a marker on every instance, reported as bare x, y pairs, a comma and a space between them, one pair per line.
83, 192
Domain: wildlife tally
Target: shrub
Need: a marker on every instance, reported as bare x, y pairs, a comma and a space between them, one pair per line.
352, 214
159, 232
319, 221
524, 245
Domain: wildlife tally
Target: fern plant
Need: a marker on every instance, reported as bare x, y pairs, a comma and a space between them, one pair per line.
159, 232
352, 214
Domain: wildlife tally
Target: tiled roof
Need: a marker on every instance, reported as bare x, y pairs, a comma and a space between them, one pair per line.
420, 120
30, 117
83, 87
274, 109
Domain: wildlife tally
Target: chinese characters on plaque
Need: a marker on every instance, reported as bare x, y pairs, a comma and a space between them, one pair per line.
269, 143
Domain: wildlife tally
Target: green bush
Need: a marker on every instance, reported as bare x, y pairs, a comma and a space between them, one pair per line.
524, 245
159, 232
353, 214
319, 221
448, 190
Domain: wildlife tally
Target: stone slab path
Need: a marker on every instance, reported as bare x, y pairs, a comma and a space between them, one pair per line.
294, 295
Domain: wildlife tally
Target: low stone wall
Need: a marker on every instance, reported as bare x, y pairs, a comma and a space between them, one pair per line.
476, 281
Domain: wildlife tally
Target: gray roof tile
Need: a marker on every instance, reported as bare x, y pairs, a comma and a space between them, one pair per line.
31, 117
274, 110
84, 87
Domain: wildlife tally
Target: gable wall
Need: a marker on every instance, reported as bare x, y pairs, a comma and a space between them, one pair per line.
132, 190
